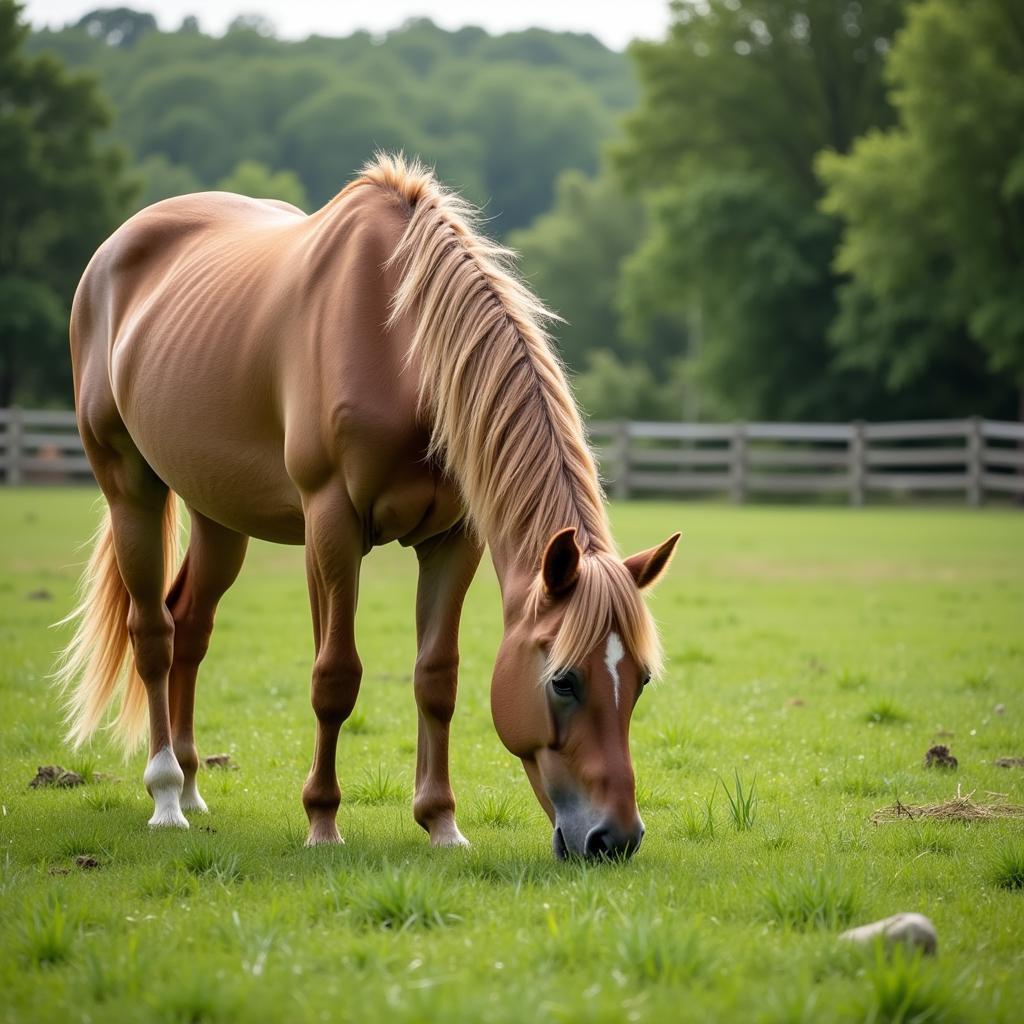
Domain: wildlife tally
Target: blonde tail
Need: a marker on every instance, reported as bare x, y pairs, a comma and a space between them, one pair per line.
97, 661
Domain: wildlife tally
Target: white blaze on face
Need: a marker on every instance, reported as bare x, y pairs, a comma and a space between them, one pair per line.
613, 654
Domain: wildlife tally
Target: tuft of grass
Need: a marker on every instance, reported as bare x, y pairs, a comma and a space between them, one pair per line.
1007, 867
885, 711
499, 810
696, 819
652, 951
905, 988
849, 679
979, 680
105, 798
814, 898
79, 843
203, 861
357, 723
742, 802
400, 898
46, 937
162, 881
652, 795
84, 766
675, 736
376, 788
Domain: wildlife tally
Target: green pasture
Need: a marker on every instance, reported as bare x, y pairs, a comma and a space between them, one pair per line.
814, 654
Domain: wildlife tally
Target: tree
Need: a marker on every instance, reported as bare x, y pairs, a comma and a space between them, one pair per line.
61, 193
736, 104
934, 208
161, 179
251, 178
117, 26
572, 256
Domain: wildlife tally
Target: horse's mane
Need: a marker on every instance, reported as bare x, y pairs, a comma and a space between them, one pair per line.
503, 420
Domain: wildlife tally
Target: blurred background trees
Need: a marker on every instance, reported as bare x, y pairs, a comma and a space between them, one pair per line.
802, 209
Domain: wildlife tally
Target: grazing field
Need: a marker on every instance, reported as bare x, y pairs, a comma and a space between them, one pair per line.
814, 656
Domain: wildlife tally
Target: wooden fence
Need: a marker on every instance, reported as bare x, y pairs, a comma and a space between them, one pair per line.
972, 458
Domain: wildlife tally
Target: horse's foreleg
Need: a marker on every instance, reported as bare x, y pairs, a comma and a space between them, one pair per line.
447, 566
333, 556
212, 563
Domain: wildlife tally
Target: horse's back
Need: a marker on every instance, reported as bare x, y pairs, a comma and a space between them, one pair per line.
245, 348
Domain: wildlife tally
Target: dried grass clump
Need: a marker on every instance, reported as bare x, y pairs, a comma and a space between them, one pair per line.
960, 808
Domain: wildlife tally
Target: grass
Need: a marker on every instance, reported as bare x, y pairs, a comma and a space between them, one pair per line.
810, 897
819, 651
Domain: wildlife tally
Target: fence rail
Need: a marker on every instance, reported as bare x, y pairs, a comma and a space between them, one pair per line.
971, 457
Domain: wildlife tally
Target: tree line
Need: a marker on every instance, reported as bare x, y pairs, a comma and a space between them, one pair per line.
785, 209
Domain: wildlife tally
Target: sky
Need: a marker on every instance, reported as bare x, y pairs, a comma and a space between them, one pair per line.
613, 22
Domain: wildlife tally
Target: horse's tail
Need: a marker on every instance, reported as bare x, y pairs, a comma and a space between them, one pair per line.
97, 661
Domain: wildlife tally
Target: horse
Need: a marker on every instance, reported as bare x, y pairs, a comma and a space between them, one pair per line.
373, 372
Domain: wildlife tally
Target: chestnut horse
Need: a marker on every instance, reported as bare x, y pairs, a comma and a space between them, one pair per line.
370, 373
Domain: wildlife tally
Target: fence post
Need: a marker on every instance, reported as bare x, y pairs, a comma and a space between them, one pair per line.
621, 490
738, 459
14, 446
858, 463
975, 464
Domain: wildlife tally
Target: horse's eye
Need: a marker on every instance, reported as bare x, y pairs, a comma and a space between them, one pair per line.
565, 684
646, 679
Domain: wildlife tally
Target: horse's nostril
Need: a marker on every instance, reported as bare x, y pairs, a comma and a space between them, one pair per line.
598, 843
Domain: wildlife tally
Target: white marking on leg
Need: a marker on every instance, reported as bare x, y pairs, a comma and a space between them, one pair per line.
613, 654
164, 780
190, 798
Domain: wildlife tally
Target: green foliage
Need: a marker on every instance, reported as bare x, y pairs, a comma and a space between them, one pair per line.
572, 255
1007, 869
61, 191
813, 897
251, 178
400, 898
736, 104
934, 208
500, 117
742, 801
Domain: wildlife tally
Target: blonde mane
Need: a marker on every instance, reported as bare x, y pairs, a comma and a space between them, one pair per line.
503, 420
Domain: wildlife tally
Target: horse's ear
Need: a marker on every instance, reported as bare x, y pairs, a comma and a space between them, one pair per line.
647, 566
560, 567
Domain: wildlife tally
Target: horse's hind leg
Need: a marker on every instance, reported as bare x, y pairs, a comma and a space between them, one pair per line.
447, 566
138, 501
212, 563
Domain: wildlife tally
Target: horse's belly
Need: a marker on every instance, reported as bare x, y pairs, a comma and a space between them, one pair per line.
217, 446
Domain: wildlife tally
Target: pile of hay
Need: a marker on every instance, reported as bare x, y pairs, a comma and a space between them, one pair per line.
960, 808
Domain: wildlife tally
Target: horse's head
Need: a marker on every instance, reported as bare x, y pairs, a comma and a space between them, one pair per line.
578, 650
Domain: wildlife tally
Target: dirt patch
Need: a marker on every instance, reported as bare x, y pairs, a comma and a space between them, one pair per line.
223, 761
1009, 762
54, 775
86, 862
939, 756
39, 595
960, 808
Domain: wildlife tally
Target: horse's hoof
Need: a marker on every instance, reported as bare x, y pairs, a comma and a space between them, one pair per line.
192, 801
448, 838
168, 817
324, 837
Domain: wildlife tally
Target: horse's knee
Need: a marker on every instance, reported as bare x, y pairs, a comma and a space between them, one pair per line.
435, 682
335, 687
